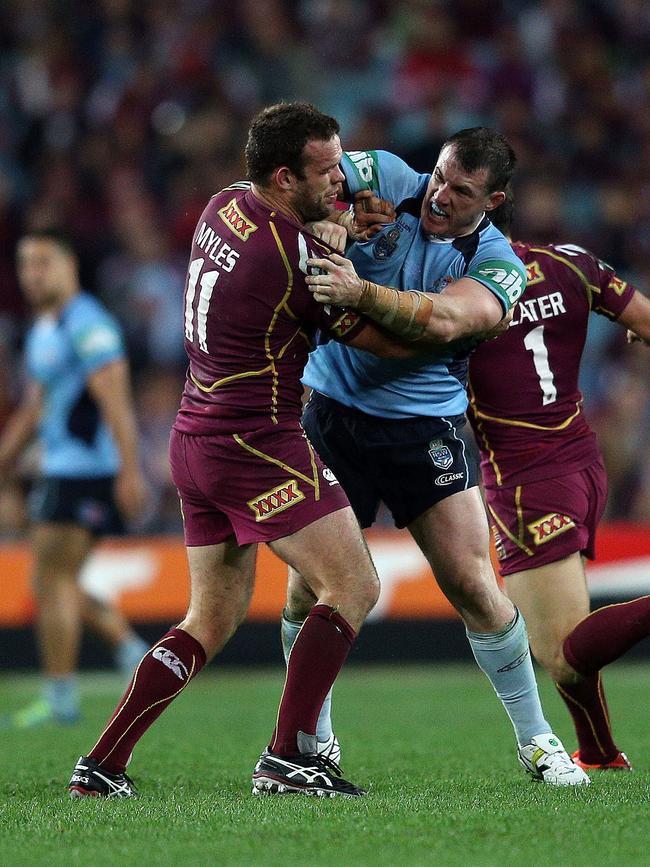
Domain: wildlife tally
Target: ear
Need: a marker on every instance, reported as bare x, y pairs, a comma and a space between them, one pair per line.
284, 179
494, 200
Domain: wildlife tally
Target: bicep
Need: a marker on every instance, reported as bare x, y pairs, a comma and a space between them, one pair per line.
473, 304
110, 381
636, 316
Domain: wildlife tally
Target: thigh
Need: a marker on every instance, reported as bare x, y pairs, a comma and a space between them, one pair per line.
454, 537
59, 549
333, 559
553, 599
546, 521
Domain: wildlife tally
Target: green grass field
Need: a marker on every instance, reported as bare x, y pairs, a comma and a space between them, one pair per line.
433, 743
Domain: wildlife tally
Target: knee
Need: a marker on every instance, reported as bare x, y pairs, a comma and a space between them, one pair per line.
369, 593
551, 657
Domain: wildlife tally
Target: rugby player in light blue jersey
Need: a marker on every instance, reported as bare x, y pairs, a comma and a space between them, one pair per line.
389, 429
78, 405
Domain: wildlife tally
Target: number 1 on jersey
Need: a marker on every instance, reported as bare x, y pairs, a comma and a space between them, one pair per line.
534, 341
208, 279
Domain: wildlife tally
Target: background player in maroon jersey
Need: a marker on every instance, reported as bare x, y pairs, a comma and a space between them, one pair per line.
544, 479
243, 467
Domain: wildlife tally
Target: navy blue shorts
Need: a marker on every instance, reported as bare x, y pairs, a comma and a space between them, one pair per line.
89, 503
410, 464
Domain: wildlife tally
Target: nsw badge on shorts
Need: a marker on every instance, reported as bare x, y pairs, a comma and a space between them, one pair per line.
440, 455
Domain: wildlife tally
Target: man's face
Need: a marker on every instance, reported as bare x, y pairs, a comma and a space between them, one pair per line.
314, 197
455, 199
46, 272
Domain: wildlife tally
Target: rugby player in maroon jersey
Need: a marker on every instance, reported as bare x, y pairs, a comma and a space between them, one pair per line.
544, 478
244, 470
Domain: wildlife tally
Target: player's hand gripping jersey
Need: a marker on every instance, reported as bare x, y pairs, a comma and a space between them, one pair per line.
525, 404
249, 317
400, 255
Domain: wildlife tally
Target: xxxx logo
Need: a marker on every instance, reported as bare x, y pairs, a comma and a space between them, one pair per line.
345, 323
534, 273
549, 526
236, 221
275, 501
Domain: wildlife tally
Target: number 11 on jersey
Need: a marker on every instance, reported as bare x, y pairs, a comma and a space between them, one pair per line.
534, 341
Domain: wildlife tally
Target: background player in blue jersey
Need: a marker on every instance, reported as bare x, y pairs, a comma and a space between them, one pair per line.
389, 429
78, 403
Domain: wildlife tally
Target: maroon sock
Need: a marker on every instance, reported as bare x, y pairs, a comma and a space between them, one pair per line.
586, 703
317, 655
162, 674
606, 634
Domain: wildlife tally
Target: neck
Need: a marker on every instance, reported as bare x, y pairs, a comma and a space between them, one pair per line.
276, 203
56, 305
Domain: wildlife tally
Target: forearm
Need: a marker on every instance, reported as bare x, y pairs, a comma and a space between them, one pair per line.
111, 389
413, 316
119, 417
18, 432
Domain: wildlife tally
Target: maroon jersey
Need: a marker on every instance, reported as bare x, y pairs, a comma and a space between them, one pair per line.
249, 318
525, 405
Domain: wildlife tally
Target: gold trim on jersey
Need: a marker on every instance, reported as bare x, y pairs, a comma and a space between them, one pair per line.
282, 305
513, 422
314, 481
215, 385
519, 542
590, 287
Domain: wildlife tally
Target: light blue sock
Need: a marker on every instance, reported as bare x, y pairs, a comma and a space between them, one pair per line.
128, 654
505, 658
62, 695
289, 631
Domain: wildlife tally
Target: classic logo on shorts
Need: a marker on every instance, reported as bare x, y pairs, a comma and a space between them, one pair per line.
275, 501
329, 477
440, 455
448, 478
172, 662
550, 526
242, 226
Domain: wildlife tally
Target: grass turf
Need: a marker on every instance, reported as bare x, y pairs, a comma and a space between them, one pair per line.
433, 742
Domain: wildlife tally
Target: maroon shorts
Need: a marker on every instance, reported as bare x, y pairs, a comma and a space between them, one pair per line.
541, 522
261, 486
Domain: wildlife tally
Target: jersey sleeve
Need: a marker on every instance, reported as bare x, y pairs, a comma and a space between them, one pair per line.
500, 270
97, 339
384, 173
614, 293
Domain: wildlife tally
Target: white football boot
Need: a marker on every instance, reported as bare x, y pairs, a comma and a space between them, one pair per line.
547, 761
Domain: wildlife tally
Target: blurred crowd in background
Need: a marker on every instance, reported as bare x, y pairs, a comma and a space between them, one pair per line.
120, 118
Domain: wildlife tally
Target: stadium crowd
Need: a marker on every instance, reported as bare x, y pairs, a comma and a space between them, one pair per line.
120, 118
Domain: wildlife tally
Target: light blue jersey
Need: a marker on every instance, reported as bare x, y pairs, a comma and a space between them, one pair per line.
60, 354
403, 257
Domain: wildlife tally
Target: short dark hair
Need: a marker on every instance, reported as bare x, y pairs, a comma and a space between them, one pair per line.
503, 216
55, 235
278, 135
482, 148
